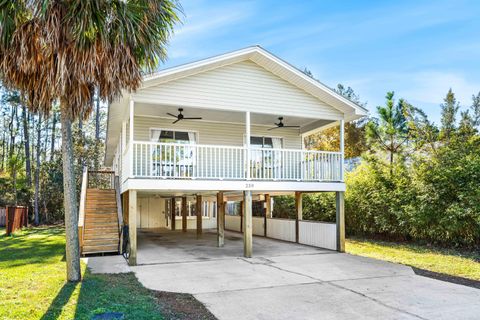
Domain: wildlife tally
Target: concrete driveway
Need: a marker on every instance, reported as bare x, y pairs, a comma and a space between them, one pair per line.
291, 281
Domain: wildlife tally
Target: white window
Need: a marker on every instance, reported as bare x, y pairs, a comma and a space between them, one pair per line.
205, 212
214, 209
265, 159
173, 161
171, 136
266, 142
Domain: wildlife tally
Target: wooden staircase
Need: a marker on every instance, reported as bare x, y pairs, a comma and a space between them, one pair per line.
101, 222
99, 218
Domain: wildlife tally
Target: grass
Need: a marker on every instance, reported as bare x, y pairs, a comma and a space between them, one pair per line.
33, 284
446, 261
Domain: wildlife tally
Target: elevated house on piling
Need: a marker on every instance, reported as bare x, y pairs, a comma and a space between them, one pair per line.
223, 129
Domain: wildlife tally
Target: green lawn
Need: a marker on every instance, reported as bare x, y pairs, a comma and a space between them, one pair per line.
446, 261
33, 286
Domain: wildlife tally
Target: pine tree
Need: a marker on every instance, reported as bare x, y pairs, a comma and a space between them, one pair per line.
449, 112
390, 131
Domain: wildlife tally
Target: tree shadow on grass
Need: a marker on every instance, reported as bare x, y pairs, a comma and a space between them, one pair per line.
60, 301
32, 246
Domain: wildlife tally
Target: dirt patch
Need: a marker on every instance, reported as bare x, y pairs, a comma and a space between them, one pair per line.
447, 278
181, 306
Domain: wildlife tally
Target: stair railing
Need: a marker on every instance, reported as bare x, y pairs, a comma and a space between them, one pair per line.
118, 197
98, 179
81, 211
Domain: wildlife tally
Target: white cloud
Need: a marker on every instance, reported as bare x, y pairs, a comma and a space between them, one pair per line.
431, 86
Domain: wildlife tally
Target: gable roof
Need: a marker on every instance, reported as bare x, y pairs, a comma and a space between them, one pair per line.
256, 54
269, 62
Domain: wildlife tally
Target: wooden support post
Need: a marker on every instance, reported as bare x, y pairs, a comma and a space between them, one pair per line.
198, 211
184, 214
268, 208
241, 216
340, 206
224, 213
247, 224
132, 226
268, 212
299, 214
172, 213
220, 220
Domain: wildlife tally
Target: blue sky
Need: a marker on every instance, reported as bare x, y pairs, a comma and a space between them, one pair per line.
419, 49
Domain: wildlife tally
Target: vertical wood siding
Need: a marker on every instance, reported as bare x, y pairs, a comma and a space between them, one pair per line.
232, 223
318, 234
282, 229
257, 223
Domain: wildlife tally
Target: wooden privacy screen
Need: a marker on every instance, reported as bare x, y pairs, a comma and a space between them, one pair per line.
2, 217
16, 218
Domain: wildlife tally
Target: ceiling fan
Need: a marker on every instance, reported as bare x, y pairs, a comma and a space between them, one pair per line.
180, 116
280, 124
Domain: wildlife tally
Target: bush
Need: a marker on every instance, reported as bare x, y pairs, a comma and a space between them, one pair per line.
435, 198
316, 206
375, 200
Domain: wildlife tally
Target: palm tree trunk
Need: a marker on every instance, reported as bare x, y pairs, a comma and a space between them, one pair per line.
70, 201
97, 129
28, 166
36, 205
97, 117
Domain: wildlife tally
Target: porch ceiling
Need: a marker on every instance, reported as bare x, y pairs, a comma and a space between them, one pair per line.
210, 115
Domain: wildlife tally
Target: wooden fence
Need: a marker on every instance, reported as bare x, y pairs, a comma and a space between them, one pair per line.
3, 217
16, 218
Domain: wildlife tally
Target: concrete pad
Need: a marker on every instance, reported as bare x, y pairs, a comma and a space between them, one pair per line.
425, 297
309, 301
288, 281
214, 276
340, 266
157, 246
107, 264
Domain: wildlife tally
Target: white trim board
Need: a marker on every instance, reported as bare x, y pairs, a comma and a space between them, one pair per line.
174, 185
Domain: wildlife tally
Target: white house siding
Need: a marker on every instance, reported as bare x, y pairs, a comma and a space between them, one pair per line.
243, 86
215, 133
151, 212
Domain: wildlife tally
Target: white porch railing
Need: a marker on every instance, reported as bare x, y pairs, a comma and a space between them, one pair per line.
193, 161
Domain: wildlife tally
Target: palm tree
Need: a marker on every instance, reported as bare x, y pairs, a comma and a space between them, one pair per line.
390, 131
63, 50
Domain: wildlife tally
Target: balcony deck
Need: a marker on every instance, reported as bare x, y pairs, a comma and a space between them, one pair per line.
211, 162
243, 168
